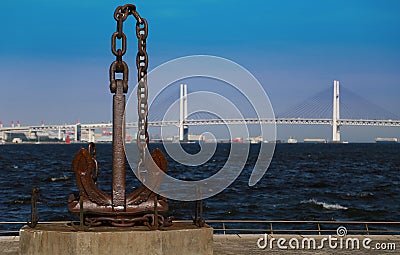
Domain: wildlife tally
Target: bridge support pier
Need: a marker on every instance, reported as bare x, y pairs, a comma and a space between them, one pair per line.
59, 134
31, 135
336, 113
77, 132
183, 129
91, 135
6, 135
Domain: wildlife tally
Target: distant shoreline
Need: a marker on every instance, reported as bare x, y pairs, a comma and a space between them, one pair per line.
219, 142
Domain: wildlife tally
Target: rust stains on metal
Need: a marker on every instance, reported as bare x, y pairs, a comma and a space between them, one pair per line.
34, 217
143, 206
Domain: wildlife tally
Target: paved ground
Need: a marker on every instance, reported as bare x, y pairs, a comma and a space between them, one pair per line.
247, 244
9, 245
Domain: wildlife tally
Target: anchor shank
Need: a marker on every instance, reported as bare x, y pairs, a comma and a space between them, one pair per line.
118, 156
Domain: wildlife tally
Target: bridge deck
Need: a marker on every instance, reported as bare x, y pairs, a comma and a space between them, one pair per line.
190, 122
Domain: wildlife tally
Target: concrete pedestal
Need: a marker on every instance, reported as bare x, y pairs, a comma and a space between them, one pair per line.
60, 239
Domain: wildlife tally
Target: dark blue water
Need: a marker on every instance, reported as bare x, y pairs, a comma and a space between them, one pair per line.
304, 182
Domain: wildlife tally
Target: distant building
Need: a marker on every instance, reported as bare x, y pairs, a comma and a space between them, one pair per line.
314, 140
258, 139
386, 140
196, 137
237, 140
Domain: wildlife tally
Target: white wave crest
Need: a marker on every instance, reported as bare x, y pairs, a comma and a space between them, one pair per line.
363, 194
325, 205
62, 178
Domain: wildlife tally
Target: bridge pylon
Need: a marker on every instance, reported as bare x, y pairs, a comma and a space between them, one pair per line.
336, 113
183, 129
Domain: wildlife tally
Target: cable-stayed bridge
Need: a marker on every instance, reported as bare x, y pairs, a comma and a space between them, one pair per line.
340, 108
324, 108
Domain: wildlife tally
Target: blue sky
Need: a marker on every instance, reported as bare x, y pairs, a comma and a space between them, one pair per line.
54, 55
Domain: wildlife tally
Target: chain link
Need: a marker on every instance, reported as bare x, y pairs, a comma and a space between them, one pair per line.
92, 152
119, 66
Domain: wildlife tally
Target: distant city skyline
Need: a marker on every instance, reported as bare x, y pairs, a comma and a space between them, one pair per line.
54, 58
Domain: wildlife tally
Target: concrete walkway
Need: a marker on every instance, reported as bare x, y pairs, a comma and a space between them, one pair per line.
247, 244
9, 245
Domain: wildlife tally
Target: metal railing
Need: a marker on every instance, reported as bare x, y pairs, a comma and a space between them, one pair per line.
269, 227
19, 224
301, 227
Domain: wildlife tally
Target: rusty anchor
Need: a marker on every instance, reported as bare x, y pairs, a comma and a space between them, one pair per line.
143, 206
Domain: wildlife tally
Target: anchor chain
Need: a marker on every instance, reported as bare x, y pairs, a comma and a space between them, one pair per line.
119, 66
92, 151
141, 207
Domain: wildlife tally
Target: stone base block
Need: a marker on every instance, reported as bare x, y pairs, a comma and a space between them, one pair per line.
50, 239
